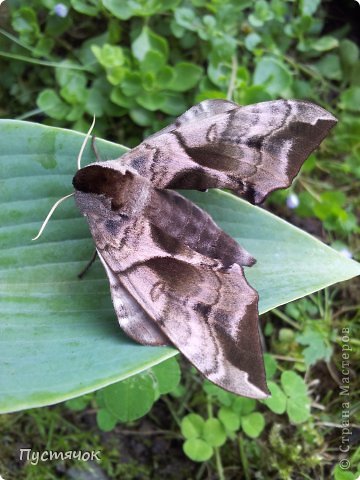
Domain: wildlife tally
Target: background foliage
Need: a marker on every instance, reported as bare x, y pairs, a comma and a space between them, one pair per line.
136, 64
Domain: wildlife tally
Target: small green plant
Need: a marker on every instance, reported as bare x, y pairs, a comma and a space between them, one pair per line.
235, 414
132, 398
291, 397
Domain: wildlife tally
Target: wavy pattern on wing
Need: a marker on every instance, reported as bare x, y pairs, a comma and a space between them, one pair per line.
252, 150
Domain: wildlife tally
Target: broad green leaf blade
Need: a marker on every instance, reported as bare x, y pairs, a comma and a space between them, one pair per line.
59, 336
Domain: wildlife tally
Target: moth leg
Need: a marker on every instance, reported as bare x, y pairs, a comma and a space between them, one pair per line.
88, 265
95, 150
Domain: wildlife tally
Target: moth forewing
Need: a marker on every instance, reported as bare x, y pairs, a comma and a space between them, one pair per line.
251, 150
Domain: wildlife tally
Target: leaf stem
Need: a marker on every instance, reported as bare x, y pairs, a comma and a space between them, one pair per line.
231, 88
44, 63
289, 359
166, 400
29, 114
243, 458
354, 341
219, 465
309, 189
285, 318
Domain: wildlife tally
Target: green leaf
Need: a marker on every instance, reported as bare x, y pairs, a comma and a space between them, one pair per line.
197, 450
87, 7
112, 58
262, 14
298, 409
271, 365
253, 424
79, 403
330, 67
243, 405
219, 73
151, 100
229, 419
214, 433
118, 97
254, 94
25, 22
148, 41
252, 40
173, 103
298, 403
97, 100
164, 77
153, 61
43, 47
141, 116
207, 94
330, 206
73, 86
131, 84
192, 426
309, 7
50, 102
109, 55
277, 401
130, 399
106, 422
341, 474
286, 335
167, 375
349, 52
127, 9
273, 75
325, 43
350, 99
187, 18
65, 330
224, 397
186, 76
293, 384
317, 348
121, 10
56, 26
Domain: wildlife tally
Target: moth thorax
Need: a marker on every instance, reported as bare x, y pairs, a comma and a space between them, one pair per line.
127, 191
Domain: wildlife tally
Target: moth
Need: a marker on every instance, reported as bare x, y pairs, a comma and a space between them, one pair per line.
175, 277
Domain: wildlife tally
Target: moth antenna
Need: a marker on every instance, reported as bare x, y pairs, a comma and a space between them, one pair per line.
50, 213
56, 204
84, 143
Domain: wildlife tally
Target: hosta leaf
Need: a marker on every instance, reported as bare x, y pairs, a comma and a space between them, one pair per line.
59, 336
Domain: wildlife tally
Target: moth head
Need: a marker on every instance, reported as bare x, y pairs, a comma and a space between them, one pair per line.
119, 189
